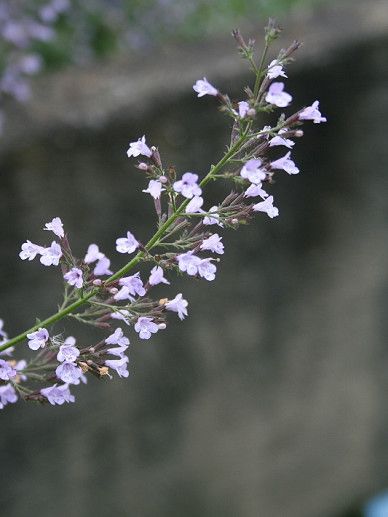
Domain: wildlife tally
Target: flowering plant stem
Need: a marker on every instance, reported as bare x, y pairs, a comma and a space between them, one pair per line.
159, 234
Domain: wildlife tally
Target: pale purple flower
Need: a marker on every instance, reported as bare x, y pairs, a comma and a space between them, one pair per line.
52, 255
6, 371
58, 394
243, 108
188, 186
255, 191
122, 315
102, 267
145, 327
55, 226
207, 269
74, 277
118, 351
281, 140
139, 147
214, 244
214, 218
178, 305
93, 254
194, 205
19, 366
68, 372
68, 352
286, 164
120, 365
134, 284
277, 96
123, 294
312, 113
252, 171
38, 339
275, 69
155, 188
127, 244
8, 395
117, 338
30, 250
157, 276
188, 262
203, 87
267, 207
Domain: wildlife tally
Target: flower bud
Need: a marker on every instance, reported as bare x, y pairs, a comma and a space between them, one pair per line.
163, 180
113, 290
97, 282
162, 326
142, 166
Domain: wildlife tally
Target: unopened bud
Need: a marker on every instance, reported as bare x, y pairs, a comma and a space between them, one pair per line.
142, 166
234, 220
251, 112
113, 290
163, 179
162, 326
298, 133
97, 282
92, 349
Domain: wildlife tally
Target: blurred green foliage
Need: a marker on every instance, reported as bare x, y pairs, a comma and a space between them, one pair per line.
96, 28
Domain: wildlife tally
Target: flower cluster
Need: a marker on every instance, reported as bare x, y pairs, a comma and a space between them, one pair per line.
184, 243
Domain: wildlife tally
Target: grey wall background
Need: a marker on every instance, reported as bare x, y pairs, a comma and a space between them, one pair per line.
271, 398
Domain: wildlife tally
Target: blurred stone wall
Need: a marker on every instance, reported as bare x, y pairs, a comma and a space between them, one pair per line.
270, 399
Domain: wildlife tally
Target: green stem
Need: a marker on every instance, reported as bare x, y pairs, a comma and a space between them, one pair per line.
139, 256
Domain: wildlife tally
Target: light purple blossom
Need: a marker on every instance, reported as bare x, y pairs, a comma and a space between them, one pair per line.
275, 69
117, 338
178, 305
207, 270
187, 186
6, 371
194, 205
30, 250
8, 395
214, 244
68, 372
252, 171
93, 254
281, 140
127, 244
102, 267
134, 284
58, 394
74, 277
267, 207
122, 315
255, 191
145, 327
277, 96
286, 164
55, 226
157, 276
38, 339
203, 87
120, 365
20, 366
312, 113
68, 351
214, 218
139, 147
52, 255
118, 351
155, 188
243, 108
188, 262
